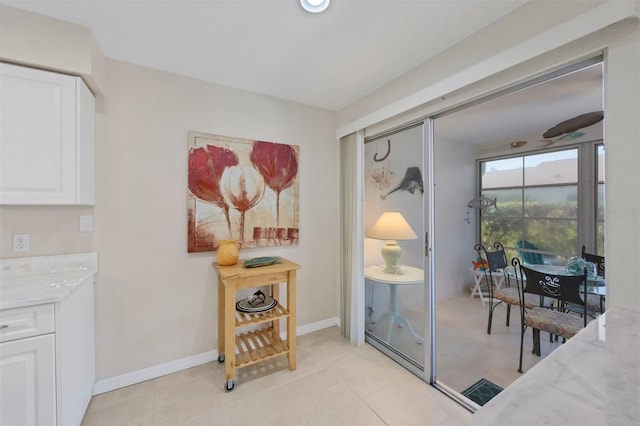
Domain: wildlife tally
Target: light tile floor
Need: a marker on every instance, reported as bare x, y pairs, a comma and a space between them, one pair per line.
335, 384
465, 352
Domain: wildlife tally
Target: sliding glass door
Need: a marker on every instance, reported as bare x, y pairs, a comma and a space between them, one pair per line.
394, 211
543, 199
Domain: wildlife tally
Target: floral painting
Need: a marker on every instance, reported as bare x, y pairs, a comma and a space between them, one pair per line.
240, 189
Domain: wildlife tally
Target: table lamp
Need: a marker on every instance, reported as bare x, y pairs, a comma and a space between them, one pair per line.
391, 226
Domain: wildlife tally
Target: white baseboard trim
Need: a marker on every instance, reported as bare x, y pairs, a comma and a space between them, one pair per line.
128, 379
315, 326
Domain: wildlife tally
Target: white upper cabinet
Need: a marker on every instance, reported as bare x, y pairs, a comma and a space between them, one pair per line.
47, 123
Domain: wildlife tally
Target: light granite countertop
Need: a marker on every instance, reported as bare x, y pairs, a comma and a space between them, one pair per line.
44, 279
593, 379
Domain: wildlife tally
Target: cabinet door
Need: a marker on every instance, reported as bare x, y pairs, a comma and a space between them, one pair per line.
37, 136
75, 354
27, 381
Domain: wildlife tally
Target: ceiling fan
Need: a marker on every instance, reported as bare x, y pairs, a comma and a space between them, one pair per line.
566, 128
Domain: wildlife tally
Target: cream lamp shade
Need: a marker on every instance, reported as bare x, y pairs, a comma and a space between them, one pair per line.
391, 226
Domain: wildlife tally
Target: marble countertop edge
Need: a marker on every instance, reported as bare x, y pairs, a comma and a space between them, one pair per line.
44, 279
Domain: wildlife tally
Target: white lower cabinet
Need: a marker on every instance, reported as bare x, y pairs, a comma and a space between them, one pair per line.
28, 390
47, 361
75, 355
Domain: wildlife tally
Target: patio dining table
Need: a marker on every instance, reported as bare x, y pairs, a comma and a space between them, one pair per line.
595, 285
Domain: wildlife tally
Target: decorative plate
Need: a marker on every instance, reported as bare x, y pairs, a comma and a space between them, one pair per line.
245, 305
260, 261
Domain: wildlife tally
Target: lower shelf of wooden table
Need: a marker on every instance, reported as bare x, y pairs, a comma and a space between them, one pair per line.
258, 345
244, 318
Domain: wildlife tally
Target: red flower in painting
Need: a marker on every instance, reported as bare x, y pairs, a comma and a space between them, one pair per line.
276, 162
205, 170
278, 165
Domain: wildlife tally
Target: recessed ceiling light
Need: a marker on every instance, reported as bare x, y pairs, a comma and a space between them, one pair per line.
315, 6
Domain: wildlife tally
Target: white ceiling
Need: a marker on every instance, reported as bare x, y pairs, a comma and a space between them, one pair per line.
327, 60
274, 47
527, 113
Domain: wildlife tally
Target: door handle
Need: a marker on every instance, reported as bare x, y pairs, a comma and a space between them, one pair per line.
426, 244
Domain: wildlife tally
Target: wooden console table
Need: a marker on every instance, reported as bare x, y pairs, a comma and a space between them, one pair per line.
257, 345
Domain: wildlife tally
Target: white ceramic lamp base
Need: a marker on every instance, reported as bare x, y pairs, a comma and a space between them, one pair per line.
391, 252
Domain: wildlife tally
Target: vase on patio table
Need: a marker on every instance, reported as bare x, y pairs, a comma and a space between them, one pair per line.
576, 266
228, 252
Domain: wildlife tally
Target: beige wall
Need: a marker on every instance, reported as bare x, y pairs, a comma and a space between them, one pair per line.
155, 302
51, 229
622, 141
34, 40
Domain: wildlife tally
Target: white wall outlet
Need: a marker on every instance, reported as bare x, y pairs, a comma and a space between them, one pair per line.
20, 242
85, 223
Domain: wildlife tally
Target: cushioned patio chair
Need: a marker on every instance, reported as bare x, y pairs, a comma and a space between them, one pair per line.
555, 321
527, 256
497, 262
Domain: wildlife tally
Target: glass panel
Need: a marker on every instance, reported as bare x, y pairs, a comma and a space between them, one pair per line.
557, 236
601, 202
600, 163
600, 236
502, 173
551, 201
508, 203
506, 231
511, 253
551, 168
395, 301
601, 207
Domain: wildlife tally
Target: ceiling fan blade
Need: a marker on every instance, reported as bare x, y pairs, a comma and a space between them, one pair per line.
546, 143
573, 124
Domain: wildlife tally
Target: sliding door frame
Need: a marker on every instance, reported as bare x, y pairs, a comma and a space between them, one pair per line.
421, 371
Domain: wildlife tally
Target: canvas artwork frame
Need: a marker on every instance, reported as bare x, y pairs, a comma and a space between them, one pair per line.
241, 189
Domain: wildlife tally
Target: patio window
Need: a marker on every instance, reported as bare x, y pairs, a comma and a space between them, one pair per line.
541, 199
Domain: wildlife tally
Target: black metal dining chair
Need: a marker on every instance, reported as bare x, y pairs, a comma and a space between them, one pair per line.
594, 258
553, 320
595, 303
496, 264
